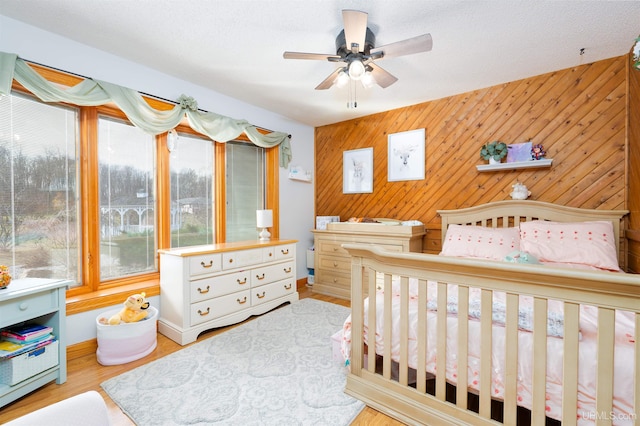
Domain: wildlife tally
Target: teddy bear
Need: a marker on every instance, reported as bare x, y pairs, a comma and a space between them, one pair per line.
135, 309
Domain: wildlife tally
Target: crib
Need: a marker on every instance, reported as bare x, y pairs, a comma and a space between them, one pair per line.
409, 351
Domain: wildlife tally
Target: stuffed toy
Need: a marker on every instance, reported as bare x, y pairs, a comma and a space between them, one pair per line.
521, 257
135, 309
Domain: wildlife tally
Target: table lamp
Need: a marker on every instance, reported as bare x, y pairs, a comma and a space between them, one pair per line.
264, 219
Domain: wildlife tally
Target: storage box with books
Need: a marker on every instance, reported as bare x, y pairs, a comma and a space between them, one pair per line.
24, 338
20, 367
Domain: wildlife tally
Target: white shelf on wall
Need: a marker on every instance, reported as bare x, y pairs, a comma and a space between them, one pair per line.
301, 178
545, 162
299, 174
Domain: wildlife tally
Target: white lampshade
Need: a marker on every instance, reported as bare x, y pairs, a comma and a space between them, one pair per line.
343, 79
264, 218
368, 80
356, 69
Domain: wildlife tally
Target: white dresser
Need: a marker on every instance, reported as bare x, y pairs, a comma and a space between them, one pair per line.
40, 301
211, 286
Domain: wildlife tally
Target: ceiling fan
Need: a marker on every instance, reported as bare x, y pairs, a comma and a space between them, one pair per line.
355, 46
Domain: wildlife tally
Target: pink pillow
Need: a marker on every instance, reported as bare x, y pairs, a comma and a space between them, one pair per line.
480, 242
586, 243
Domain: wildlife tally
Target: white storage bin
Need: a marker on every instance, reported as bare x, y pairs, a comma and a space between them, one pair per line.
21, 367
126, 342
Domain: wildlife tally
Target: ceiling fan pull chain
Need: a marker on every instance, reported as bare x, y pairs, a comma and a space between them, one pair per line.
355, 94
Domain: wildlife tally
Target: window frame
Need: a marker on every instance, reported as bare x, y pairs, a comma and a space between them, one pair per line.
92, 293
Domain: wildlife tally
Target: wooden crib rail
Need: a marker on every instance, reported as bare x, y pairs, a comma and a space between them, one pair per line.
412, 404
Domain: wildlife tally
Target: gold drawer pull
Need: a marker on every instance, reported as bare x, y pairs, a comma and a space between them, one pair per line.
201, 291
242, 282
202, 314
335, 280
243, 301
335, 263
285, 251
270, 254
260, 277
287, 286
335, 249
259, 296
204, 265
230, 260
287, 270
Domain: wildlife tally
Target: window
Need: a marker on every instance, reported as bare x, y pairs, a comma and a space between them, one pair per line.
126, 159
39, 226
87, 196
192, 203
245, 174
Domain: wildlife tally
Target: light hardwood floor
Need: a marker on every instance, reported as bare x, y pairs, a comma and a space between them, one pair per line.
84, 373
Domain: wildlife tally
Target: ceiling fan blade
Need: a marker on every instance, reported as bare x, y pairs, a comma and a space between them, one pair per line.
328, 82
355, 28
382, 77
314, 56
421, 43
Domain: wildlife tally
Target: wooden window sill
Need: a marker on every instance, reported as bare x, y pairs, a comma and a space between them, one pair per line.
111, 296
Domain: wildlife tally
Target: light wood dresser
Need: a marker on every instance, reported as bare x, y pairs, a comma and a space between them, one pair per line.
205, 287
333, 263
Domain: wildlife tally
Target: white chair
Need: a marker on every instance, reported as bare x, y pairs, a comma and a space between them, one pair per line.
85, 409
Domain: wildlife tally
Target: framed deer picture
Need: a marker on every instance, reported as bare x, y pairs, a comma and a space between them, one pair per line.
406, 155
357, 171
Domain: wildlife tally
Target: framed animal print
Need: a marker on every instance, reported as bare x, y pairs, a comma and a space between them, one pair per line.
357, 171
406, 155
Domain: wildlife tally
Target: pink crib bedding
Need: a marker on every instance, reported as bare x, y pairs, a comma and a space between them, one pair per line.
624, 348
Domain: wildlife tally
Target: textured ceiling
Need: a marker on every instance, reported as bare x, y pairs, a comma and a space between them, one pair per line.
235, 47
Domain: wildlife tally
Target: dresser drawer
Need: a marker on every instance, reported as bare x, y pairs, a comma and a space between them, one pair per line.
272, 291
333, 278
241, 258
27, 307
220, 285
285, 251
271, 273
204, 264
219, 307
335, 263
331, 247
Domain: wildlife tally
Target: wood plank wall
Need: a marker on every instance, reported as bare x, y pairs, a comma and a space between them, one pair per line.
578, 114
633, 234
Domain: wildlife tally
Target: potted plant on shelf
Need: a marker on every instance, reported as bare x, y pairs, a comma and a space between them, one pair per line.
494, 151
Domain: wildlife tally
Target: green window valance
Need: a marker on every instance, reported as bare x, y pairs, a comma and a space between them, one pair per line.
91, 92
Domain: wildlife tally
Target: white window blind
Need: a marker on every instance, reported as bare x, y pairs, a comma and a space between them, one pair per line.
246, 193
39, 210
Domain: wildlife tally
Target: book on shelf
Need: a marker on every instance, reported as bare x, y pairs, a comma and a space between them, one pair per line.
26, 333
23, 342
11, 349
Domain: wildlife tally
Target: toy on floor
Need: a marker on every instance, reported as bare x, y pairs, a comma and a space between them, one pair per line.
135, 309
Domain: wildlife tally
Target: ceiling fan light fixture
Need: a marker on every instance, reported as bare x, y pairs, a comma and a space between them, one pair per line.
368, 80
356, 69
343, 79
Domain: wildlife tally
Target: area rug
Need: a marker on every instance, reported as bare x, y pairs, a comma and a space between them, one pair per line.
276, 369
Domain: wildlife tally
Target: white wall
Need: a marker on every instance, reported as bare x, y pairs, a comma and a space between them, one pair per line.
296, 198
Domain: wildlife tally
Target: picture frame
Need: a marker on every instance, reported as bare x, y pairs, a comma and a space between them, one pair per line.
519, 152
357, 171
406, 155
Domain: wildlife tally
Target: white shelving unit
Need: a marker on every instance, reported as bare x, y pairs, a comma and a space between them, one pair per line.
533, 164
42, 301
